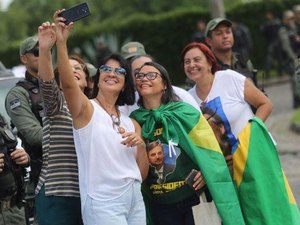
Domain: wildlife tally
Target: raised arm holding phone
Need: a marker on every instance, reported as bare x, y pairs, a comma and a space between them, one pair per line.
112, 174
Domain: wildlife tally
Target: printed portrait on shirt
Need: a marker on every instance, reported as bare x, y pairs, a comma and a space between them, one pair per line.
213, 112
162, 159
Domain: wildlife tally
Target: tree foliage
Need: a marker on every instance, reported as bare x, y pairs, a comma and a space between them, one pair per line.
23, 17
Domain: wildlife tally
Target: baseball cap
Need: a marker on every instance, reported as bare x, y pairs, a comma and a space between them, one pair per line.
288, 14
131, 49
28, 44
296, 8
212, 24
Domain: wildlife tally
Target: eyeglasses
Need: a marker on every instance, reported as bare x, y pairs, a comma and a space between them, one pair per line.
149, 75
34, 52
107, 69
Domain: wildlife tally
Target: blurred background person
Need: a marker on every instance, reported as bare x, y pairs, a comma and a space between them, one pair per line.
269, 29
243, 43
102, 50
296, 10
290, 42
199, 35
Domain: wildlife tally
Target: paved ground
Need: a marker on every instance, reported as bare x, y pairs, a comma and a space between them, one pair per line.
288, 142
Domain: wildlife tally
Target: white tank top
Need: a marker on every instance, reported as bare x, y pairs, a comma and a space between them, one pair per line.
106, 167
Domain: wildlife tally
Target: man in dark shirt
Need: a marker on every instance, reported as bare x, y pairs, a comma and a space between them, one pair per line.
24, 106
219, 37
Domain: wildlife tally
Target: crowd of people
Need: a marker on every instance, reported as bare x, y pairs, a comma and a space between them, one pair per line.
117, 144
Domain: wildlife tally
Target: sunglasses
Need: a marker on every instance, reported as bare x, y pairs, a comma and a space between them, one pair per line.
149, 75
107, 69
34, 52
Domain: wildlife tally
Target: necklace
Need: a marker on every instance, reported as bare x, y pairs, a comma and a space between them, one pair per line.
116, 121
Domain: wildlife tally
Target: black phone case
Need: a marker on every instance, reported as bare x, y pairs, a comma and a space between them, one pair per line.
76, 13
190, 178
190, 181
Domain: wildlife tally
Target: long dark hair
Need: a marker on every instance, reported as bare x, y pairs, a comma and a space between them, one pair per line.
126, 96
168, 94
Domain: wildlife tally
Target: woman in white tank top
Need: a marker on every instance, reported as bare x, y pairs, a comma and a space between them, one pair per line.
111, 154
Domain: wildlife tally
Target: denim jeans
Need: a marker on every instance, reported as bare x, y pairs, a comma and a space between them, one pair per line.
128, 209
176, 214
57, 210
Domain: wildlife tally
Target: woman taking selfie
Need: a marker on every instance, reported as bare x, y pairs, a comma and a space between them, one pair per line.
111, 154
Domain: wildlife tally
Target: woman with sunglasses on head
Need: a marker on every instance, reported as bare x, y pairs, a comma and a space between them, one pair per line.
112, 158
190, 144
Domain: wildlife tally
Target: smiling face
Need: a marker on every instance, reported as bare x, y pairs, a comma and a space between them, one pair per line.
196, 66
150, 88
110, 80
78, 72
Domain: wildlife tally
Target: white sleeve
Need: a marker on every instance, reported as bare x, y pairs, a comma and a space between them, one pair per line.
186, 97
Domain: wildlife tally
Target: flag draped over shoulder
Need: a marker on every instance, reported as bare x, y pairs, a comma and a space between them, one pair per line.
184, 125
265, 195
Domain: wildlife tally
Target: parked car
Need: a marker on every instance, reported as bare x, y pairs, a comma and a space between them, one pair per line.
7, 81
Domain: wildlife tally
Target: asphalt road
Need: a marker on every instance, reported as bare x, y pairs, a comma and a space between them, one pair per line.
288, 142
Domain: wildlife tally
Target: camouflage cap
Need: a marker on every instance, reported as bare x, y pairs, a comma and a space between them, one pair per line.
132, 49
28, 44
212, 24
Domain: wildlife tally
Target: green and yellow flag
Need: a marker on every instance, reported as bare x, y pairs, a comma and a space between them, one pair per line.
184, 125
265, 195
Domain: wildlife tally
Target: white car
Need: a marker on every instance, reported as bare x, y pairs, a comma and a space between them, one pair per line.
7, 81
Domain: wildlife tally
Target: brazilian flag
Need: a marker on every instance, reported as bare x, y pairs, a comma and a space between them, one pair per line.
265, 195
183, 124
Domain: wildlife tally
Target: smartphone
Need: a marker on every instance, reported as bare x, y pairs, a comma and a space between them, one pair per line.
190, 178
75, 13
190, 181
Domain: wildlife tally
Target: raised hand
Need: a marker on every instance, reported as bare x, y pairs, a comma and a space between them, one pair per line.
62, 30
47, 36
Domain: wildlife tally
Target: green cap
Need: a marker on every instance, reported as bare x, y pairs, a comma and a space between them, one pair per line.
212, 24
132, 49
28, 44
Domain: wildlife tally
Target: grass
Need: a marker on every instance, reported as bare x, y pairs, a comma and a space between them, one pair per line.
296, 117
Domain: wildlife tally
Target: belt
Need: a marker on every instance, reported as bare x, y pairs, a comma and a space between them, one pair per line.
6, 204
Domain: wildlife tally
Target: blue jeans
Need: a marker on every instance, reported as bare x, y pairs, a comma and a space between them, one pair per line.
128, 209
180, 213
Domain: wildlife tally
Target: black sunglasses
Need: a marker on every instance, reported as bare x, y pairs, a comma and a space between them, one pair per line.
107, 69
34, 52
